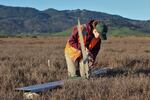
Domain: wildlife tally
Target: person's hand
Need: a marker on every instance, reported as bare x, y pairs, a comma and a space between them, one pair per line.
87, 50
83, 26
89, 59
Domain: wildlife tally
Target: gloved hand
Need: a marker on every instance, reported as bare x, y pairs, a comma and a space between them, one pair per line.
89, 59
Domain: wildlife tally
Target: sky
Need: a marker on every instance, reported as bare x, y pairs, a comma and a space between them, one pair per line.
133, 9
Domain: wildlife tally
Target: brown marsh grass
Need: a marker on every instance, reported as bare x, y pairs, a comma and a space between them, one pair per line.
23, 62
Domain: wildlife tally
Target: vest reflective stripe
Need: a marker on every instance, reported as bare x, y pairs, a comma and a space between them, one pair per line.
93, 42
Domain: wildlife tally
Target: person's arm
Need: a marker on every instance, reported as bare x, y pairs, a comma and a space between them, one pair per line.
73, 40
88, 40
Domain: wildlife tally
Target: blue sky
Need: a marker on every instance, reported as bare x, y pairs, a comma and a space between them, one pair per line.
134, 9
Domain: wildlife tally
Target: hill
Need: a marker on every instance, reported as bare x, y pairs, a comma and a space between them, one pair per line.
22, 20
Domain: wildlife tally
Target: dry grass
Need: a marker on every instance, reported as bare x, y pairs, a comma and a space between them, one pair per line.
23, 61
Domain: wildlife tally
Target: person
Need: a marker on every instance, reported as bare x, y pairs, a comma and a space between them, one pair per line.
93, 31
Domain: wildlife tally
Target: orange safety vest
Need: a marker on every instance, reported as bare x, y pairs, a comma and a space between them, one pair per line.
75, 53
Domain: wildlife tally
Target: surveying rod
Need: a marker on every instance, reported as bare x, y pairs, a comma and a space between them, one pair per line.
83, 50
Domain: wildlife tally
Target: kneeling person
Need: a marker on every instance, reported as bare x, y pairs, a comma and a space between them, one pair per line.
92, 33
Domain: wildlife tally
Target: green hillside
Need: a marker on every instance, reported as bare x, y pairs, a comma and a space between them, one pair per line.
24, 20
125, 31
114, 31
63, 33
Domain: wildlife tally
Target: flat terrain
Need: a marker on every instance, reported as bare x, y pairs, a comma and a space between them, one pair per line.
24, 61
